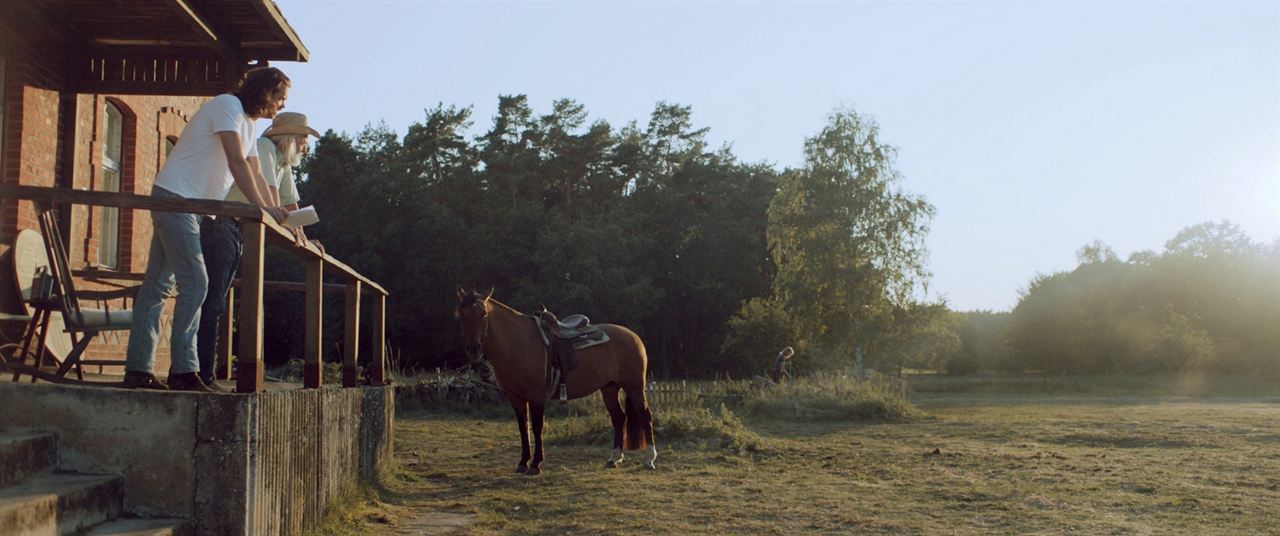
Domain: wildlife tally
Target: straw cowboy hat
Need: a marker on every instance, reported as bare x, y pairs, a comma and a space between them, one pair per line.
287, 123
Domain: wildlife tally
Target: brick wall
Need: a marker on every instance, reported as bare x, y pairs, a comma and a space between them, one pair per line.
30, 126
52, 137
148, 121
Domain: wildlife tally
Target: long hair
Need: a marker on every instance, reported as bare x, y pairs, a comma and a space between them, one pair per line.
288, 147
254, 90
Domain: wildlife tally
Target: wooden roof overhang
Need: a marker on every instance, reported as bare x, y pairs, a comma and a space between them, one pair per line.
169, 47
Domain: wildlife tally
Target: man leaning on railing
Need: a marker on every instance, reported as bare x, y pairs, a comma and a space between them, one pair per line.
215, 151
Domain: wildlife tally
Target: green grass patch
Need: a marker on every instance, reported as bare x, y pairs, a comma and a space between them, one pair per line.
354, 511
828, 398
586, 422
987, 464
702, 415
1183, 384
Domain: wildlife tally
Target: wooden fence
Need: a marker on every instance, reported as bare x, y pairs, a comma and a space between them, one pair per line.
684, 392
675, 393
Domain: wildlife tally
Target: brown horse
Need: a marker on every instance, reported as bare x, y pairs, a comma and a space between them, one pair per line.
512, 342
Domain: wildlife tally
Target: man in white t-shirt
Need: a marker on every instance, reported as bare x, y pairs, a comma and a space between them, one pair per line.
280, 150
215, 150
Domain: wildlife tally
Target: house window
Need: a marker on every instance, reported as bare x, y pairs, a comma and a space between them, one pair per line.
2, 94
109, 217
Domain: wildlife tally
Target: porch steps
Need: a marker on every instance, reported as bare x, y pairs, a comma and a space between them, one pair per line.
35, 499
25, 454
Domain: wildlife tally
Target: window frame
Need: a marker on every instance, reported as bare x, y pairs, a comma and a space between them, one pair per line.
112, 175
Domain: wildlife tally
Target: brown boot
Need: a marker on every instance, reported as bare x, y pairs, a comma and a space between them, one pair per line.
142, 380
188, 382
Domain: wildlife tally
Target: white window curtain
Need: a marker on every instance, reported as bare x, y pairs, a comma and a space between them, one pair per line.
109, 217
2, 95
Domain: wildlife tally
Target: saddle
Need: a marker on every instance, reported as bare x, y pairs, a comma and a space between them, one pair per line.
562, 339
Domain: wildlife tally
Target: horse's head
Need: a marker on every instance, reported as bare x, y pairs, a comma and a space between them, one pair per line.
473, 315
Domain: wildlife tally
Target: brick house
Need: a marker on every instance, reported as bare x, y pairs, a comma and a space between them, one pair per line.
93, 95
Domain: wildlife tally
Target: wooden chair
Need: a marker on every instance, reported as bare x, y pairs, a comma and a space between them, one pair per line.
53, 293
11, 351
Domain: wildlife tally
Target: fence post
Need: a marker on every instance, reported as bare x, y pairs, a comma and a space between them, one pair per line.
312, 368
226, 328
378, 357
249, 361
352, 327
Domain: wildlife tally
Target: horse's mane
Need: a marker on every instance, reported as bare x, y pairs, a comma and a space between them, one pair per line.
475, 297
507, 307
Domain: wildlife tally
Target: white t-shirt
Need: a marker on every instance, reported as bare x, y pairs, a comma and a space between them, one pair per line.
197, 168
277, 172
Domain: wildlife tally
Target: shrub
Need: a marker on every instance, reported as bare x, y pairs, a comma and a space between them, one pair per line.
961, 365
828, 397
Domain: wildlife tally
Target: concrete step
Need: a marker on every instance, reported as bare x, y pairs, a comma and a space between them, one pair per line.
59, 504
143, 527
23, 454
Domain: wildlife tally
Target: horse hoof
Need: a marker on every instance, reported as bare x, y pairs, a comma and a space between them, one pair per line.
650, 465
610, 464
522, 469
534, 471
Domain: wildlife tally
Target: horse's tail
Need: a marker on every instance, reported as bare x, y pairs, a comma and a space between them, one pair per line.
638, 421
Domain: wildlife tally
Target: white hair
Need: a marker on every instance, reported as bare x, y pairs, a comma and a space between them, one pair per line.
288, 146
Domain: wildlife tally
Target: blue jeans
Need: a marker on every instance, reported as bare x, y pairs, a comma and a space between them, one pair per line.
222, 245
175, 258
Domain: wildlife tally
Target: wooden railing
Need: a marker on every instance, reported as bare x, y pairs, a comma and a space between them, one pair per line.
258, 229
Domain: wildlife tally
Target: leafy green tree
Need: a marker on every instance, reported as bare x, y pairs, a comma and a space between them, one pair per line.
1039, 327
1210, 240
1208, 303
848, 242
919, 335
1096, 252
1184, 346
983, 343
759, 330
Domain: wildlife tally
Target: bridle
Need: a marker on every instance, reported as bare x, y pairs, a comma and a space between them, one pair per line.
473, 358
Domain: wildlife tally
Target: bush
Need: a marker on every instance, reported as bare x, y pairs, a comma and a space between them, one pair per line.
467, 392
829, 397
587, 422
759, 330
961, 365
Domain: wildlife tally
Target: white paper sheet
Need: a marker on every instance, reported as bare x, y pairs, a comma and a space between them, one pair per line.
302, 217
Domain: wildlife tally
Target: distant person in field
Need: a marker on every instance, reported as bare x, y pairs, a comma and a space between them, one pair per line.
215, 151
280, 150
782, 365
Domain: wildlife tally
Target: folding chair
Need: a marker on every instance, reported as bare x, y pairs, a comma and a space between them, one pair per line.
53, 293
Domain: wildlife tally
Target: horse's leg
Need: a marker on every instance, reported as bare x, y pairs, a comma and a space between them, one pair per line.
536, 412
610, 395
648, 434
640, 425
522, 422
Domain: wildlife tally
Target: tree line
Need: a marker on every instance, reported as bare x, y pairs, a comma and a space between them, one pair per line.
1208, 303
717, 263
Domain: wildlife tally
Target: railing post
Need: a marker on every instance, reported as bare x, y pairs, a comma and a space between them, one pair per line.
352, 347
312, 370
249, 360
226, 326
378, 359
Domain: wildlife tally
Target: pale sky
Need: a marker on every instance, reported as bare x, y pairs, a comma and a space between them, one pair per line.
1033, 127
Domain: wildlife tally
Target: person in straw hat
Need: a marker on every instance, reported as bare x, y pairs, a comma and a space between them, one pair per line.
280, 150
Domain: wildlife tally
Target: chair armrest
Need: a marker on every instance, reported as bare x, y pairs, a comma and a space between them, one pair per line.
98, 274
127, 292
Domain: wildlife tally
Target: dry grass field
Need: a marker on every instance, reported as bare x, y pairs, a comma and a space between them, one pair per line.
974, 461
